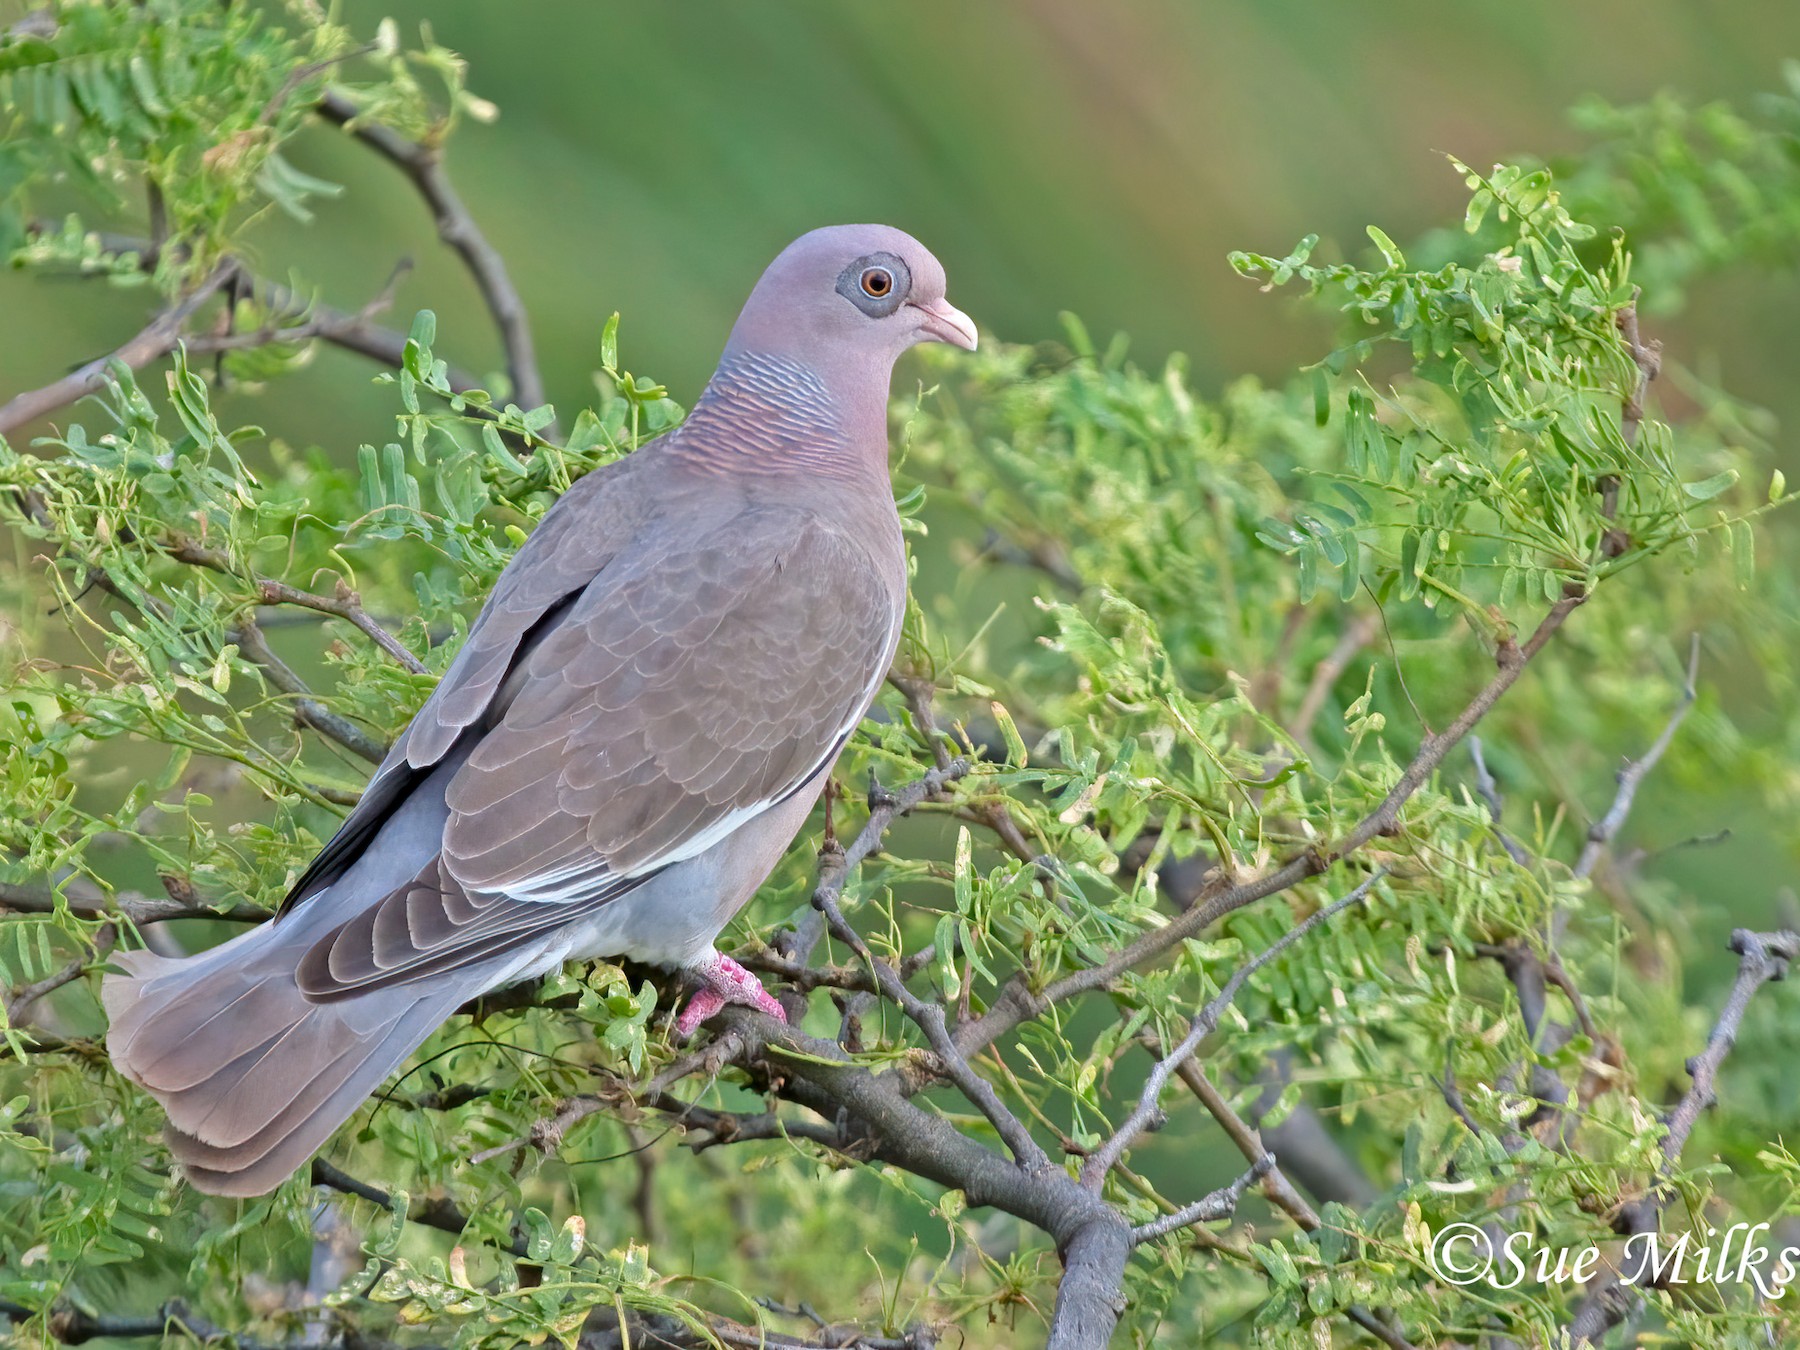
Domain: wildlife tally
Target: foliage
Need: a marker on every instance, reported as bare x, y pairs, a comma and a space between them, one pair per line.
1230, 631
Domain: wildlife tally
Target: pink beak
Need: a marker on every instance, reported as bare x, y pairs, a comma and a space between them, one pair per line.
944, 322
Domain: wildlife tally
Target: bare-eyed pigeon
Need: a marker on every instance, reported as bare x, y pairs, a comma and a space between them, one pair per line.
644, 713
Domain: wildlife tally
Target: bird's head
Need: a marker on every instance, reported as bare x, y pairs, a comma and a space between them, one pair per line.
864, 292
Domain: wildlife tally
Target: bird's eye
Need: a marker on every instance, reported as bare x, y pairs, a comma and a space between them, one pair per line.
876, 283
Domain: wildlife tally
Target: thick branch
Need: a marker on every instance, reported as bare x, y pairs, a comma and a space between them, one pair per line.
1093, 1239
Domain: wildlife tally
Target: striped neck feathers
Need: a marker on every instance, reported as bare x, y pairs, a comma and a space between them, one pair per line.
769, 414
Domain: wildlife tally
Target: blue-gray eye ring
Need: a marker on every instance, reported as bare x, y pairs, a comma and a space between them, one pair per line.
877, 282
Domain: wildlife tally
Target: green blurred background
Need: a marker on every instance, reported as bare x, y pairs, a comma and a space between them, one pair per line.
1100, 158
1095, 156
1057, 154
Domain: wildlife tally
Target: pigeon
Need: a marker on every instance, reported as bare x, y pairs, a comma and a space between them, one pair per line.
641, 719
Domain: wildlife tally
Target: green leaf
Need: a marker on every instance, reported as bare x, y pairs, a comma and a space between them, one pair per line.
1708, 488
1390, 251
1743, 553
609, 344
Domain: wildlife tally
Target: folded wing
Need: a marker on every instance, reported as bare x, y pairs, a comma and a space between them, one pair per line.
664, 707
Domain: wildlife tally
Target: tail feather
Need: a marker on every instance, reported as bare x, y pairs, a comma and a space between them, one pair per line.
254, 1076
217, 1011
243, 1097
287, 1137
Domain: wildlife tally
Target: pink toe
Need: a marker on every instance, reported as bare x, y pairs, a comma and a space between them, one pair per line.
723, 981
701, 1006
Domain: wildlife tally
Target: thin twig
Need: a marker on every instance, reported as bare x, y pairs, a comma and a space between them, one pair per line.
929, 1016
1276, 1188
836, 864
346, 604
22, 998
1204, 1023
439, 1213
1648, 357
1017, 1001
1356, 635
1219, 1204
353, 330
1604, 830
248, 638
308, 711
1489, 792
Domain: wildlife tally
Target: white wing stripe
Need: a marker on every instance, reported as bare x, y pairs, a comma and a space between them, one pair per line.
572, 882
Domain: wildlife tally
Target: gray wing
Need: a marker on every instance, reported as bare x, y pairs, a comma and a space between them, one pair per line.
671, 702
575, 540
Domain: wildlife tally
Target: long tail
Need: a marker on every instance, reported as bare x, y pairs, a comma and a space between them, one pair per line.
254, 1076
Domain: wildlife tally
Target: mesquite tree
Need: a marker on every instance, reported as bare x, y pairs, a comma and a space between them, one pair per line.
1226, 899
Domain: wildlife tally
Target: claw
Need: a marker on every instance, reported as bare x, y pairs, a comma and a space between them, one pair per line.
723, 981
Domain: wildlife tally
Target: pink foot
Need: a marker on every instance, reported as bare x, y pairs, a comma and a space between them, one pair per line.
723, 981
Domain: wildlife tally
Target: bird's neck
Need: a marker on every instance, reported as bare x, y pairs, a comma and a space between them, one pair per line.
770, 414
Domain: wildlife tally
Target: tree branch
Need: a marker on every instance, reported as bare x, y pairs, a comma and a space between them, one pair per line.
140, 909
1103, 1159
1219, 1204
1092, 1238
72, 1326
250, 641
346, 604
1762, 959
157, 339
423, 164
